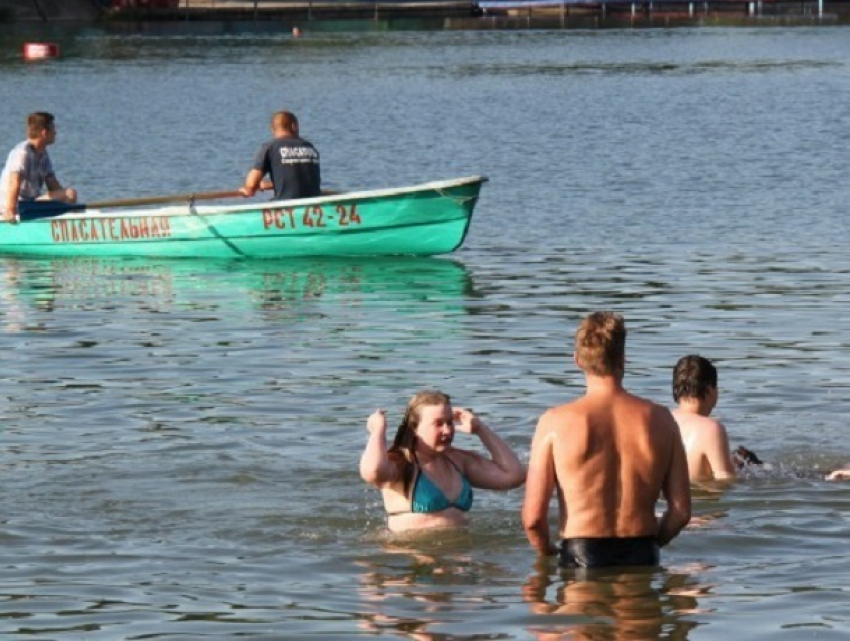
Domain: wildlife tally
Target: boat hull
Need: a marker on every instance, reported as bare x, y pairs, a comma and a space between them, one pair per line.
422, 220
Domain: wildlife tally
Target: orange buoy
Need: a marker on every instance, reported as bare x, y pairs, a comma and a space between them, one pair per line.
40, 51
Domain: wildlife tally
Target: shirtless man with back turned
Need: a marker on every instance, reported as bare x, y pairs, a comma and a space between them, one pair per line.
611, 455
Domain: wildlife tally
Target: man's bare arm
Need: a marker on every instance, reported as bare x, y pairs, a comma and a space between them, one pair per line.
253, 183
52, 183
55, 191
676, 490
12, 194
539, 485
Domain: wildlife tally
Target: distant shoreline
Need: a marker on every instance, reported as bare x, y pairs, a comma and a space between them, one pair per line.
451, 14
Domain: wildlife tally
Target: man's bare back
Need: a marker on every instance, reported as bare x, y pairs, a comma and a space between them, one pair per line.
610, 494
611, 455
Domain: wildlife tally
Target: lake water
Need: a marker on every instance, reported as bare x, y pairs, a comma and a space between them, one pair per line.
180, 440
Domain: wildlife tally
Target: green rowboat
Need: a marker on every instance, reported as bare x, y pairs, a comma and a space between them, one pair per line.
422, 220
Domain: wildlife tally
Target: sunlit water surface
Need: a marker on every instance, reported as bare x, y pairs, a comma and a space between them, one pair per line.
180, 439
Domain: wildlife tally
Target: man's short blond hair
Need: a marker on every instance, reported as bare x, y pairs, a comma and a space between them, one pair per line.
601, 344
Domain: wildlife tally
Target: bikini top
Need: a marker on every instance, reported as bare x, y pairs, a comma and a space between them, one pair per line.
427, 497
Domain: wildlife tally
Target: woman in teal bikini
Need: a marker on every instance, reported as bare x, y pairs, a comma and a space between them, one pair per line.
425, 481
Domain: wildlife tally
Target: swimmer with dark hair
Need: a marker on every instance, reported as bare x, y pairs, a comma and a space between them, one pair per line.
705, 438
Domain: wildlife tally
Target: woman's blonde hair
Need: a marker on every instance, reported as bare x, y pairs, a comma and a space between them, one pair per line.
404, 443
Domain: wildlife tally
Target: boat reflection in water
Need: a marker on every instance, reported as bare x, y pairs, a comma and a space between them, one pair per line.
159, 286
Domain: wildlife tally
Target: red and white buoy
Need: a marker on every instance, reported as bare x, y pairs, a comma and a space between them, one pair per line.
40, 51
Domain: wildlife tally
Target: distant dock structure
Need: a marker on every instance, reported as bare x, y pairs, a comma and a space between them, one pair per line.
265, 15
282, 10
661, 13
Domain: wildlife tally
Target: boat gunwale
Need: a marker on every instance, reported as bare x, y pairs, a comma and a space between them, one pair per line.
190, 209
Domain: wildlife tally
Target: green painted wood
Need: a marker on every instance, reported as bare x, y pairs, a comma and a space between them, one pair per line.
423, 220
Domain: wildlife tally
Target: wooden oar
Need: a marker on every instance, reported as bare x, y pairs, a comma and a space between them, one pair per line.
157, 200
34, 209
45, 208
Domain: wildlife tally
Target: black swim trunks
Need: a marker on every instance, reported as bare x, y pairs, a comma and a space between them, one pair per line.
609, 552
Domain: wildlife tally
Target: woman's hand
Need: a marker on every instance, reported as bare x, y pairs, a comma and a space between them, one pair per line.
377, 421
466, 421
375, 466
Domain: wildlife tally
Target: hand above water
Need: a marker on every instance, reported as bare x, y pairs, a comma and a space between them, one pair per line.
377, 422
466, 421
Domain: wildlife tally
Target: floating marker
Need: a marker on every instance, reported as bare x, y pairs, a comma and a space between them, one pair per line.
40, 51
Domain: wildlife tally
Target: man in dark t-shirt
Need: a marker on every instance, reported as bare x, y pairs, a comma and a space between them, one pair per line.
291, 161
